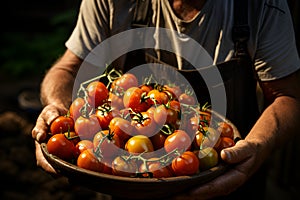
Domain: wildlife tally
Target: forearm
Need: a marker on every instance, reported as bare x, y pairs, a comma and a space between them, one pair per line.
277, 124
57, 85
280, 120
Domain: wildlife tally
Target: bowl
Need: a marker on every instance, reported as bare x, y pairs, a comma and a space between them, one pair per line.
134, 188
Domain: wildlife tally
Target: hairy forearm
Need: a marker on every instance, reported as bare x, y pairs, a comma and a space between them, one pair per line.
276, 126
57, 85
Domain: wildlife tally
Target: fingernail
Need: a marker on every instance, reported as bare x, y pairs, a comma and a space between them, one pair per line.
39, 137
225, 154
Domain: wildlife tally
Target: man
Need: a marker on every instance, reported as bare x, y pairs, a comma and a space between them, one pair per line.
271, 48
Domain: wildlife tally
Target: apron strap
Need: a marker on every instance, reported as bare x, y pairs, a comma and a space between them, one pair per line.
241, 30
142, 14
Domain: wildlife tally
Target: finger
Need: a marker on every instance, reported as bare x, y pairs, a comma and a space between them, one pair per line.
51, 112
41, 160
39, 132
240, 152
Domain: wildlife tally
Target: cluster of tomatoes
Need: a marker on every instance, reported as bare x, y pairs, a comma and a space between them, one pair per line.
131, 129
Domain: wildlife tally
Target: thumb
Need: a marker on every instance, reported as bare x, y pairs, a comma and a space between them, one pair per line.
239, 152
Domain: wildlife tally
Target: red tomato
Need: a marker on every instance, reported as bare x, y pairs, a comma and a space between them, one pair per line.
165, 115
116, 101
83, 145
88, 160
175, 105
226, 130
87, 127
124, 82
105, 113
179, 139
158, 97
224, 143
107, 144
197, 142
122, 128
61, 147
145, 124
186, 164
62, 124
185, 98
193, 124
158, 140
75, 108
135, 98
122, 166
146, 88
97, 93
174, 90
154, 168
211, 137
139, 144
205, 118
72, 136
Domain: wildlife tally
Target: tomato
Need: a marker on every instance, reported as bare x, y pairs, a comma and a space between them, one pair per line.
62, 124
208, 158
211, 137
179, 139
226, 130
151, 110
83, 145
76, 107
186, 164
158, 97
146, 88
197, 142
72, 136
224, 143
87, 127
122, 166
158, 140
139, 144
185, 98
144, 124
165, 115
97, 93
88, 160
174, 90
124, 82
135, 98
155, 169
107, 144
116, 101
205, 118
105, 113
122, 128
61, 147
193, 124
175, 105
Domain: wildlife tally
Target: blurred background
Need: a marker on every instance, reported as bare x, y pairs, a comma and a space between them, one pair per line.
32, 38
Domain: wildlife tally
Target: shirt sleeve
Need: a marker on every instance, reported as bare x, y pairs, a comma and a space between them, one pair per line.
91, 28
276, 54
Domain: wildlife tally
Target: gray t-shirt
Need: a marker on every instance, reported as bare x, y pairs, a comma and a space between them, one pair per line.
271, 45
